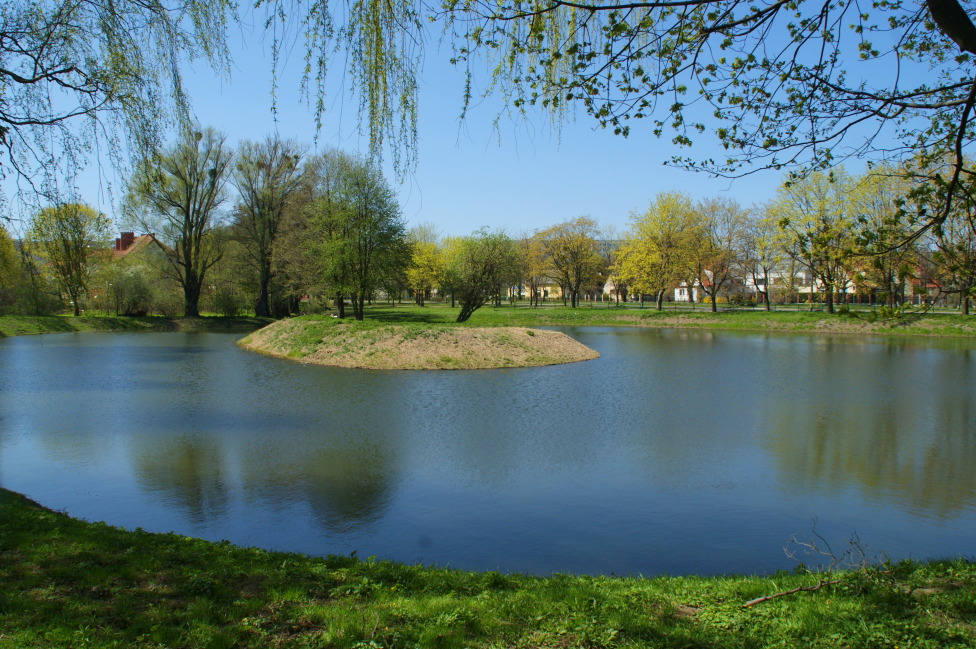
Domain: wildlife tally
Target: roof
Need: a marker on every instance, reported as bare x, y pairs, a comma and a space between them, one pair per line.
138, 243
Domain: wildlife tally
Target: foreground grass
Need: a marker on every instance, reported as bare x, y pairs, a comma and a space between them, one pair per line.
68, 583
12, 325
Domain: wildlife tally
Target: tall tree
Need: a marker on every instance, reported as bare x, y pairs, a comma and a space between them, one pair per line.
72, 239
954, 241
425, 270
360, 229
176, 194
426, 261
763, 253
815, 216
268, 178
722, 225
881, 229
9, 270
609, 249
571, 251
654, 255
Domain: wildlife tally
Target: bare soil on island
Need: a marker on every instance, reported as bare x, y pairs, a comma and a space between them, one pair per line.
415, 348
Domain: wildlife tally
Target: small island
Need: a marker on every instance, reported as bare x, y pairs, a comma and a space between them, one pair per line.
369, 345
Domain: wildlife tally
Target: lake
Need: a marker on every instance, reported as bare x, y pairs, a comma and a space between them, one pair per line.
675, 452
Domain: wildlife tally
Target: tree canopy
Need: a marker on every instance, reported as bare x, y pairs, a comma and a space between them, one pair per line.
71, 238
779, 83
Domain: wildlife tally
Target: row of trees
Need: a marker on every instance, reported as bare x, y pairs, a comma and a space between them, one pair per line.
829, 234
833, 233
297, 225
327, 229
322, 229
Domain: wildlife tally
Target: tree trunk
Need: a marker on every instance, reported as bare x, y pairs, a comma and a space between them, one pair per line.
965, 305
340, 306
660, 299
714, 304
261, 306
358, 306
191, 298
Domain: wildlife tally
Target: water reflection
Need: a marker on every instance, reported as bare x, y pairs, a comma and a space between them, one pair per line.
918, 455
726, 442
346, 486
187, 472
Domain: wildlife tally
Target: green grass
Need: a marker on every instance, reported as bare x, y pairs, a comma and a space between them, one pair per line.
856, 321
68, 583
863, 321
12, 325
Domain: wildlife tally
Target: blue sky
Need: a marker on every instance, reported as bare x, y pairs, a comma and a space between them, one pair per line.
520, 178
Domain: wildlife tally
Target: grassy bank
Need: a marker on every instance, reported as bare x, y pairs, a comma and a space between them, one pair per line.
68, 583
12, 325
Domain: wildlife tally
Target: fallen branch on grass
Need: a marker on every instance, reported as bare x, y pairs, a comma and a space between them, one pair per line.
798, 589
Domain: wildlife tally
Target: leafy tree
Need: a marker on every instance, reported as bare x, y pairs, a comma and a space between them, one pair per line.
571, 252
425, 270
72, 239
10, 274
763, 253
535, 267
815, 217
268, 178
481, 264
360, 230
426, 261
955, 249
881, 231
654, 255
177, 194
85, 76
720, 244
609, 250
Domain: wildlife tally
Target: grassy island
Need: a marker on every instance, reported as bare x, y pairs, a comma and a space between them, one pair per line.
70, 583
329, 341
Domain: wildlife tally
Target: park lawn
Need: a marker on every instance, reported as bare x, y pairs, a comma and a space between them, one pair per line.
863, 321
15, 325
70, 583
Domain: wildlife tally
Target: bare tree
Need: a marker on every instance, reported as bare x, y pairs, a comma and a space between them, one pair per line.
176, 194
268, 178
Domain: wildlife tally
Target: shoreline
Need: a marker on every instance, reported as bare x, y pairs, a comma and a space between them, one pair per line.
853, 323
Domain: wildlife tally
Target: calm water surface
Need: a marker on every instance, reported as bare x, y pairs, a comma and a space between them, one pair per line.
675, 452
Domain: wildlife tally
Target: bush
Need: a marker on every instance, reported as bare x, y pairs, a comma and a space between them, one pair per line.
226, 302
